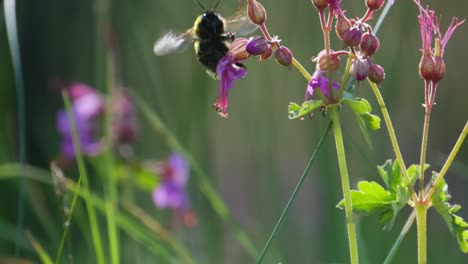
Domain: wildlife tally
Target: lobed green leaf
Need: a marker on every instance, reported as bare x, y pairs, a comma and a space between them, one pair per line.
298, 111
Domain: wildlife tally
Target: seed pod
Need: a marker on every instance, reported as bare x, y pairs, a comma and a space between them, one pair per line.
257, 45
426, 67
376, 74
256, 12
360, 69
320, 4
439, 69
352, 36
343, 24
369, 44
283, 56
322, 64
374, 4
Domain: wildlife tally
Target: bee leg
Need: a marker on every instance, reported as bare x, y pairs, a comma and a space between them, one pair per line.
229, 36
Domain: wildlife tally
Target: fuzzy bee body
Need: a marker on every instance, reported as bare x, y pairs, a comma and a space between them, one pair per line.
211, 35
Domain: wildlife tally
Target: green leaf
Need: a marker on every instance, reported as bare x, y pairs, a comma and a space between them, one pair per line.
413, 172
298, 111
372, 121
370, 198
363, 126
358, 106
391, 175
458, 227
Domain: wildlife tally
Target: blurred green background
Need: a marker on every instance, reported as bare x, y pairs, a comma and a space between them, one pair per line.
256, 156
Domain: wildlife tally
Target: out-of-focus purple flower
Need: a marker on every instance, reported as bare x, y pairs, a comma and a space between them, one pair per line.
229, 69
321, 82
124, 121
171, 193
86, 105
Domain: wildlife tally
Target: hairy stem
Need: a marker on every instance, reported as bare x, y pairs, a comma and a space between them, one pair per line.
345, 184
423, 151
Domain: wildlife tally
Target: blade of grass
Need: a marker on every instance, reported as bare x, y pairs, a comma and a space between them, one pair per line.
98, 248
206, 187
39, 249
125, 223
294, 194
12, 35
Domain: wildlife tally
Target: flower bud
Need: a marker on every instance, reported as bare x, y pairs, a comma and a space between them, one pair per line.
439, 69
369, 44
238, 48
343, 24
256, 12
322, 64
374, 4
376, 74
360, 69
426, 66
257, 45
352, 36
283, 56
320, 4
265, 55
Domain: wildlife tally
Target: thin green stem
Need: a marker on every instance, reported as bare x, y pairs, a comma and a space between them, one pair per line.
346, 75
84, 176
421, 217
68, 221
293, 195
393, 139
448, 163
423, 151
340, 151
301, 69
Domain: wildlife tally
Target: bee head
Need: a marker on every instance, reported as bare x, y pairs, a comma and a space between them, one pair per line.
209, 25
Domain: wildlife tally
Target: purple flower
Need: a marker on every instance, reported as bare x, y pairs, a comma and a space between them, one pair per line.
171, 193
124, 123
321, 82
87, 104
229, 69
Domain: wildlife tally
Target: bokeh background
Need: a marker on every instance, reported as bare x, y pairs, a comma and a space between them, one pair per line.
256, 156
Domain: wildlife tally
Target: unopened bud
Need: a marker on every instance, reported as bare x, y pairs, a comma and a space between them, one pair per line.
426, 66
322, 63
265, 55
374, 4
343, 24
256, 12
320, 4
238, 48
257, 45
369, 44
439, 69
352, 36
376, 74
360, 69
283, 56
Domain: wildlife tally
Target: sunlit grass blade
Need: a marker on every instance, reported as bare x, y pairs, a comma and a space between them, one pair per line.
96, 234
204, 183
12, 35
294, 194
39, 249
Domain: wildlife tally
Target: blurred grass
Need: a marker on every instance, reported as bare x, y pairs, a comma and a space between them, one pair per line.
256, 156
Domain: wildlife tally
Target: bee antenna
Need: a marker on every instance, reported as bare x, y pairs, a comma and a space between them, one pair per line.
216, 5
200, 5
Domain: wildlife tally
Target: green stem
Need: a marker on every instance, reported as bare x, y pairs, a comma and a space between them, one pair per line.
293, 195
423, 151
301, 69
421, 217
393, 139
84, 177
340, 151
449, 161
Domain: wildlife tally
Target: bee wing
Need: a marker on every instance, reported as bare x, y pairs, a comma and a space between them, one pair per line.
172, 42
240, 25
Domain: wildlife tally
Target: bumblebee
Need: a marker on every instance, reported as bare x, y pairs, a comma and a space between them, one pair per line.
211, 35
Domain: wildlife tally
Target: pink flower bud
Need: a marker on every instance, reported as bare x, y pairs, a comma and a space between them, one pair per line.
257, 45
343, 24
322, 64
369, 44
376, 74
374, 4
320, 4
283, 56
360, 69
439, 69
238, 48
352, 36
256, 12
426, 67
